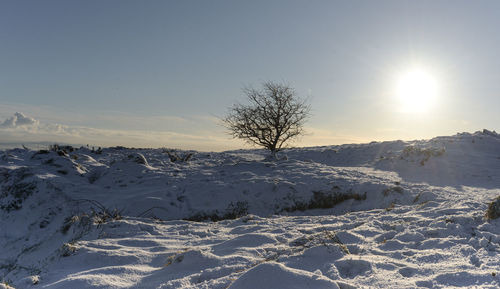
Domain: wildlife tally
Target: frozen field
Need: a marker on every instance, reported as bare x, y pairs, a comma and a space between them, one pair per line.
380, 215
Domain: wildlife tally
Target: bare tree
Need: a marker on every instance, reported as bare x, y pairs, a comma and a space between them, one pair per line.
274, 116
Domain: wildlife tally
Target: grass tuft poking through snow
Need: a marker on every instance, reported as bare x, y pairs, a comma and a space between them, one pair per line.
233, 211
325, 200
493, 211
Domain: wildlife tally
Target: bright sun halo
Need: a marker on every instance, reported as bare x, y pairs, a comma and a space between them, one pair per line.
416, 91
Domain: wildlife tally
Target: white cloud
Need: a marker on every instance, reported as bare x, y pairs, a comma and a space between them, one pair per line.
20, 129
19, 120
193, 132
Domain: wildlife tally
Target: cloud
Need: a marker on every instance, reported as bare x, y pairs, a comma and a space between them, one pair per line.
19, 120
193, 132
21, 129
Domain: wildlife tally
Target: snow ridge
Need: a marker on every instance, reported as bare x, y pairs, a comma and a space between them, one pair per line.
385, 214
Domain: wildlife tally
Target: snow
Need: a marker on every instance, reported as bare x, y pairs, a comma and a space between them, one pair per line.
385, 214
275, 275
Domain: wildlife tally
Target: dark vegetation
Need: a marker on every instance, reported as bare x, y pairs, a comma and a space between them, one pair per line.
423, 154
233, 211
99, 214
176, 157
493, 211
138, 158
60, 150
325, 200
390, 190
16, 187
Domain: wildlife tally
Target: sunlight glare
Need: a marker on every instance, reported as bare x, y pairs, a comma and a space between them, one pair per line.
416, 91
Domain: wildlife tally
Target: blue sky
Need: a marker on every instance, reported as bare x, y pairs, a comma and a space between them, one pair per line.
159, 73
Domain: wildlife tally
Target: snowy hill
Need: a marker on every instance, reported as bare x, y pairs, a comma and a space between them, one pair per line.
399, 214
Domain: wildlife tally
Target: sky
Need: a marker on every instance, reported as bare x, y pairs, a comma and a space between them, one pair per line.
162, 73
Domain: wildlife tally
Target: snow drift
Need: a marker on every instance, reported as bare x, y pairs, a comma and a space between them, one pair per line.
384, 214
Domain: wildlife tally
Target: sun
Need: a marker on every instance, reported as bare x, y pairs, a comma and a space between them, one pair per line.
416, 91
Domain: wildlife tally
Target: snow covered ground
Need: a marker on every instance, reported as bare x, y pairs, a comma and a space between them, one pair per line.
380, 215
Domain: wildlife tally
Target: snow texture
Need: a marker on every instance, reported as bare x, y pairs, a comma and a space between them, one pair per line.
379, 215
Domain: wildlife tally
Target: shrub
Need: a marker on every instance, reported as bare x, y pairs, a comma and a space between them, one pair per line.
61, 149
68, 249
99, 214
321, 200
325, 200
493, 211
104, 216
138, 158
174, 157
423, 153
233, 211
17, 189
390, 190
